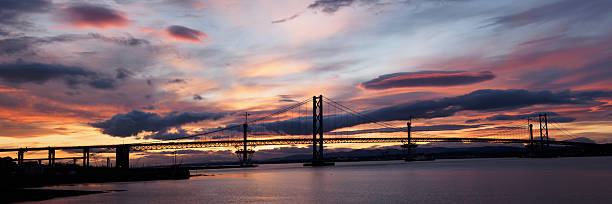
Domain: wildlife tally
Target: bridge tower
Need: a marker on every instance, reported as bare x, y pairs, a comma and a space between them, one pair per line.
543, 130
245, 154
317, 129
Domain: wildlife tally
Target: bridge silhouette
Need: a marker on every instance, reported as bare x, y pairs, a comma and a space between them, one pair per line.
306, 122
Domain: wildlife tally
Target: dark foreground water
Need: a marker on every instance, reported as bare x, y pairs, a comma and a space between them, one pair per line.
508, 180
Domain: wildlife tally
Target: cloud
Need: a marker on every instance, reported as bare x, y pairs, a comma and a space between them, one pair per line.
134, 122
176, 81
331, 6
287, 19
24, 130
286, 98
183, 33
552, 117
403, 129
93, 16
123, 73
426, 78
568, 10
27, 43
12, 10
473, 120
197, 97
483, 100
38, 73
126, 41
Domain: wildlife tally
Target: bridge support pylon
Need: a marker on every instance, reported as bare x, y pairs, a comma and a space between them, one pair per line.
85, 157
317, 129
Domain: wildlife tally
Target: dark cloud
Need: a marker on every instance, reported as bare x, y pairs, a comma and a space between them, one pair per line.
286, 19
126, 41
404, 129
95, 16
483, 100
569, 11
134, 122
27, 43
149, 107
19, 73
20, 44
12, 10
427, 78
176, 81
331, 6
197, 97
286, 98
185, 34
122, 73
552, 117
472, 120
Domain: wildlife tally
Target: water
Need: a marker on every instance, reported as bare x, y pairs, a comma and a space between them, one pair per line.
506, 180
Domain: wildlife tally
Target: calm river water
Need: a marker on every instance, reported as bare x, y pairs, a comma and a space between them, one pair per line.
506, 180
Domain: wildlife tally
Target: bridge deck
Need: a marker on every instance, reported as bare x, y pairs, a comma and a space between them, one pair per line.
264, 142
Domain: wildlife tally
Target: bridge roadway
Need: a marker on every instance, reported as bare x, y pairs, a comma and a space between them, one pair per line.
264, 142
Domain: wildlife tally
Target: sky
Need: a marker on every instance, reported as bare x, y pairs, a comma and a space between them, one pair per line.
122, 71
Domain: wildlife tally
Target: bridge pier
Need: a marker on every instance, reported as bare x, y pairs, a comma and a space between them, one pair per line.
122, 157
51, 157
85, 157
317, 129
20, 157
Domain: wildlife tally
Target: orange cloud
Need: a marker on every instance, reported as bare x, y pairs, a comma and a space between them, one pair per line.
275, 68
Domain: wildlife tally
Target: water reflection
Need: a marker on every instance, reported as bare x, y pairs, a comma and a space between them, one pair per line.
570, 180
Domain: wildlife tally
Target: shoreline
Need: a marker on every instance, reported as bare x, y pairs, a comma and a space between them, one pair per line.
16, 195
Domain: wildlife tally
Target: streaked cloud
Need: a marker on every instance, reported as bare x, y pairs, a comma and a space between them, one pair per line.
186, 34
40, 73
427, 78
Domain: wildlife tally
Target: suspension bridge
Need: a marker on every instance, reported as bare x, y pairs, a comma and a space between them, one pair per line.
306, 122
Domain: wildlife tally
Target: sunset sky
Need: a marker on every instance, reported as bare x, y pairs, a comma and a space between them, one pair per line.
107, 72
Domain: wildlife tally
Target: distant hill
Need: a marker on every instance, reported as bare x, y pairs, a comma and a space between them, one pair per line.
581, 139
